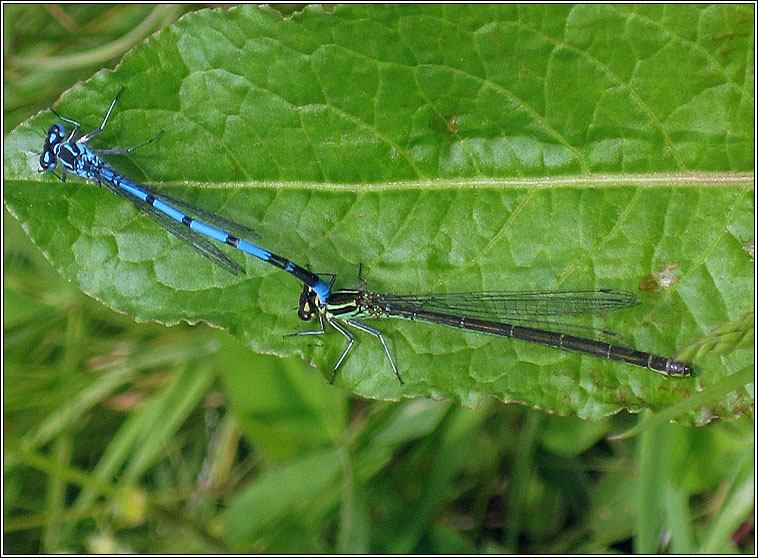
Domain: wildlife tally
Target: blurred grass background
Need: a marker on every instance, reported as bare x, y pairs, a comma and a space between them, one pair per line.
121, 436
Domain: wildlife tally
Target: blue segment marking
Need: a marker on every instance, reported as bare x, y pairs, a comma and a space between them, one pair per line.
254, 250
322, 290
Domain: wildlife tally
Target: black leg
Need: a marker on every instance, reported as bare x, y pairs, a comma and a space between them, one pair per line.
74, 122
378, 334
121, 150
86, 137
310, 331
343, 330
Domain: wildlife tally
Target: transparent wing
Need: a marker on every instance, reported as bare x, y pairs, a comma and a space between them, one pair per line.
510, 305
203, 215
535, 309
194, 240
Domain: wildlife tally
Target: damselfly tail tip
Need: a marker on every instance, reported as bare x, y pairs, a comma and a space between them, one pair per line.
681, 369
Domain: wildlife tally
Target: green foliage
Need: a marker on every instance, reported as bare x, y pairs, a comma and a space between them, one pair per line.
333, 139
444, 148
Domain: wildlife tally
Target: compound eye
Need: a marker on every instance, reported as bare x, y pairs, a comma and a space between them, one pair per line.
304, 314
305, 307
54, 134
46, 160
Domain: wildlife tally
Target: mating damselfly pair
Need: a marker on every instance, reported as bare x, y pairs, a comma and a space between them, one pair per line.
526, 316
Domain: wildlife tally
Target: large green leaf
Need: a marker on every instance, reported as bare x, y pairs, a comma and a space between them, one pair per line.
445, 148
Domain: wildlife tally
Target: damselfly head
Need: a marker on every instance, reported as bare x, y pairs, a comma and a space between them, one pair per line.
308, 303
54, 137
